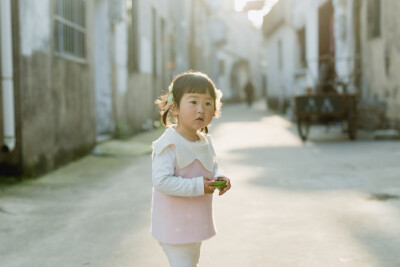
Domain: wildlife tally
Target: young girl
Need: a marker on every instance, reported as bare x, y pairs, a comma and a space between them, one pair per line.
185, 169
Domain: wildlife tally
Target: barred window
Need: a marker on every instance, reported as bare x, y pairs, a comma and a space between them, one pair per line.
70, 29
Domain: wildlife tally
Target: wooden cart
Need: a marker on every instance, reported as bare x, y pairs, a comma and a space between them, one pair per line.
328, 104
326, 109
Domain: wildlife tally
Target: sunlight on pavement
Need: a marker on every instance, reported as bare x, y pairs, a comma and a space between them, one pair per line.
326, 195
277, 134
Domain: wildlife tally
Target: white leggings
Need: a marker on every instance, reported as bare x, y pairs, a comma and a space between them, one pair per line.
185, 255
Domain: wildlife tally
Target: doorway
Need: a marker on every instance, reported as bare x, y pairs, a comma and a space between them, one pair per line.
326, 45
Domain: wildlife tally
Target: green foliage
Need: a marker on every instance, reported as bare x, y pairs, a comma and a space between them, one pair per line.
122, 131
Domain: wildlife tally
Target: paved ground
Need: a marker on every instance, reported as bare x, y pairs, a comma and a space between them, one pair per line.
328, 202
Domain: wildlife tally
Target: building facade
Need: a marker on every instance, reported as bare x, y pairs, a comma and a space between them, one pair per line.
53, 96
378, 44
87, 70
237, 55
295, 45
351, 40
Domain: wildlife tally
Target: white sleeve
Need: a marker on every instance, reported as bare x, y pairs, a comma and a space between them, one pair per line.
164, 180
217, 172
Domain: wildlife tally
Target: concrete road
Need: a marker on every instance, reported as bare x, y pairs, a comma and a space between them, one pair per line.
327, 202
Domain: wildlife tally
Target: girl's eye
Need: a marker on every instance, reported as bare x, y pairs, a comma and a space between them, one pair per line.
208, 104
193, 102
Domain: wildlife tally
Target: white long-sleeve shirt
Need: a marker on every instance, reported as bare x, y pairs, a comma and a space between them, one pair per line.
165, 158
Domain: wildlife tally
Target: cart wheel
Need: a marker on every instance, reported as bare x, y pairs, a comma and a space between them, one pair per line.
303, 127
352, 121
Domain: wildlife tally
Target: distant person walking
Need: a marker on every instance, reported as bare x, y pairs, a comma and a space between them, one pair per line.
185, 169
249, 90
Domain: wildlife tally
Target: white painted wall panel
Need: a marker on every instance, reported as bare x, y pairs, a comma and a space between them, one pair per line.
34, 26
102, 67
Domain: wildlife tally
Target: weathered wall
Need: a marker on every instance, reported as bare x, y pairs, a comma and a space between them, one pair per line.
135, 105
345, 38
10, 162
179, 34
102, 67
56, 96
280, 67
380, 65
58, 120
285, 74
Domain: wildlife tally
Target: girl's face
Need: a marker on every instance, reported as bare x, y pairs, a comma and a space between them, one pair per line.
195, 111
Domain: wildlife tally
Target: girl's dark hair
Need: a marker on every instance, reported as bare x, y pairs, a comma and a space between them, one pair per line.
188, 82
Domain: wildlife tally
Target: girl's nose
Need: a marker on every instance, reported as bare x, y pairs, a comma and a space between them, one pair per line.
200, 108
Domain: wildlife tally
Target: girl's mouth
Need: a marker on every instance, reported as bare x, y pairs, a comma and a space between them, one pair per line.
199, 119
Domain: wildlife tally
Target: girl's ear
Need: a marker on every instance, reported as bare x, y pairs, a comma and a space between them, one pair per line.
174, 109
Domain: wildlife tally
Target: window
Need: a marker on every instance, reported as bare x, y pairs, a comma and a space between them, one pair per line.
374, 18
70, 28
301, 38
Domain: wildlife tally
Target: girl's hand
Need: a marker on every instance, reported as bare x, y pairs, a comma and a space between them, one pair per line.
228, 185
208, 185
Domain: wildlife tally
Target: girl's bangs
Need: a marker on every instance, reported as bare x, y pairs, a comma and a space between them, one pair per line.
201, 87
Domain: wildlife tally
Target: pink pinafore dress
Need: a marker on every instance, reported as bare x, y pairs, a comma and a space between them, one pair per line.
182, 220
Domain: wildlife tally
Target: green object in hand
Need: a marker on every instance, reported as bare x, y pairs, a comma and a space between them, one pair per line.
220, 184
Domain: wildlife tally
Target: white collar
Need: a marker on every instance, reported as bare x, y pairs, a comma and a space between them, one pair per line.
185, 150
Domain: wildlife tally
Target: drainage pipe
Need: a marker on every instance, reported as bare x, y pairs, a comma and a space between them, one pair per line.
7, 82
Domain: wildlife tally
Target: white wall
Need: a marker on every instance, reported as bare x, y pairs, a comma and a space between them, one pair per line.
345, 42
102, 67
145, 37
280, 76
35, 26
312, 41
121, 55
381, 84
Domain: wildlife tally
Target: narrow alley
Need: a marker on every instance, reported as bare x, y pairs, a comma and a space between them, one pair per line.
326, 202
